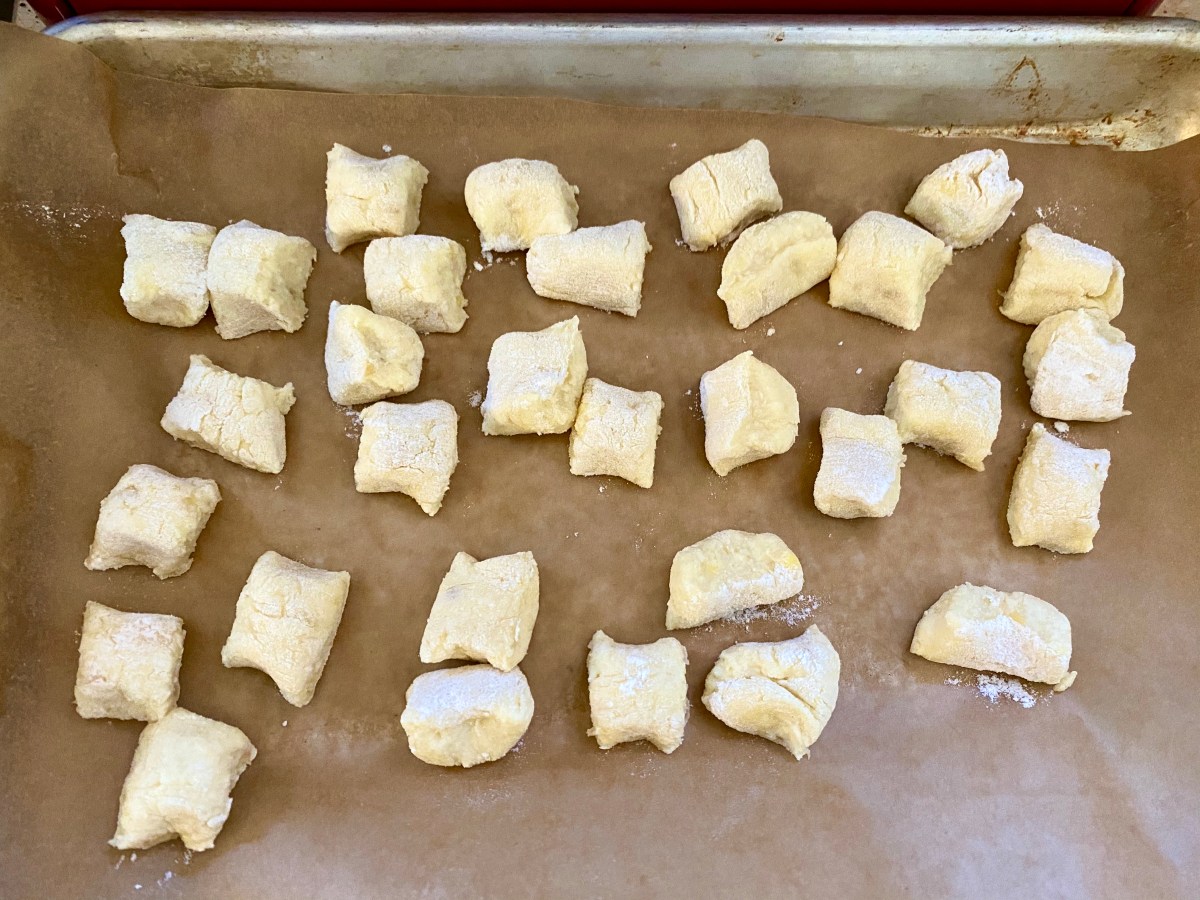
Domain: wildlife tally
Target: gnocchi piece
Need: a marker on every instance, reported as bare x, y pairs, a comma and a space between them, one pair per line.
1056, 273
238, 418
967, 200
861, 458
256, 279
784, 691
1078, 367
535, 380
616, 433
774, 261
750, 412
287, 616
637, 692
485, 611
885, 268
166, 264
411, 448
996, 631
515, 201
719, 195
368, 198
368, 356
152, 518
418, 280
1055, 500
128, 664
184, 769
600, 267
955, 413
467, 715
727, 572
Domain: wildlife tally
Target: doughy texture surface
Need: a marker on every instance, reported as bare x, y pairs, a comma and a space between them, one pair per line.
418, 280
967, 200
750, 412
719, 195
368, 356
861, 459
955, 413
637, 692
515, 201
368, 198
166, 262
616, 433
535, 380
411, 448
1078, 367
256, 279
600, 267
1056, 273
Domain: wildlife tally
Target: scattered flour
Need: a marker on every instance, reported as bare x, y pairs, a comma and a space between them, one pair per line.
858, 371
840, 343
993, 687
474, 399
771, 331
602, 489
387, 148
354, 425
789, 612
167, 876
478, 266
680, 242
285, 723
1062, 427
953, 679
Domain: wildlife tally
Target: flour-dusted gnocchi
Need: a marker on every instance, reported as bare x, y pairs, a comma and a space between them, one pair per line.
256, 279
784, 691
952, 412
750, 412
128, 664
238, 418
535, 380
600, 267
368, 198
1078, 367
410, 448
637, 692
861, 459
1056, 273
287, 616
369, 356
166, 265
616, 433
966, 201
515, 201
719, 195
418, 280
152, 518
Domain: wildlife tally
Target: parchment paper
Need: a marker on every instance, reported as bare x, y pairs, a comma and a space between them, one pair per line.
917, 787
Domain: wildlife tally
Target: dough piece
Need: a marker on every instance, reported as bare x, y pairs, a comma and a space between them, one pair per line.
233, 416
637, 692
1078, 367
184, 769
535, 380
861, 458
256, 278
1056, 273
1055, 500
165, 270
287, 616
152, 518
885, 267
955, 413
514, 201
967, 200
750, 412
783, 691
600, 267
484, 611
983, 628
418, 280
773, 262
368, 356
411, 448
466, 716
128, 664
728, 572
616, 433
369, 198
721, 194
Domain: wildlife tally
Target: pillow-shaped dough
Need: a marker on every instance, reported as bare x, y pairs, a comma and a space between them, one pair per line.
368, 356
369, 198
955, 413
128, 664
411, 448
719, 195
616, 433
166, 265
600, 267
727, 572
1078, 367
256, 278
861, 459
418, 280
965, 201
535, 380
637, 692
750, 412
783, 691
515, 201
1056, 273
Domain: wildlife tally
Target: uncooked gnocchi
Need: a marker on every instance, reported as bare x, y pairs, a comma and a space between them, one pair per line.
411, 448
861, 459
616, 433
369, 356
1078, 367
637, 692
256, 279
368, 198
966, 201
955, 413
719, 195
600, 267
535, 380
515, 201
1056, 273
750, 412
128, 664
166, 265
418, 280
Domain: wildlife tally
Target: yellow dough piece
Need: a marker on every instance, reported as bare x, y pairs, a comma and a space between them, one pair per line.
616, 433
128, 664
861, 459
368, 356
716, 197
637, 692
750, 412
515, 201
1078, 367
410, 448
535, 380
967, 200
256, 279
1056, 273
166, 265
600, 267
418, 280
955, 413
368, 198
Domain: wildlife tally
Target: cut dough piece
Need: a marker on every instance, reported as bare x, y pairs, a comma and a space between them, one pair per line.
750, 412
861, 459
637, 692
256, 278
515, 201
616, 433
784, 691
152, 518
727, 572
466, 716
535, 380
721, 194
1055, 500
983, 628
885, 267
1056, 273
600, 267
955, 413
183, 771
411, 448
485, 611
418, 280
238, 418
166, 263
368, 356
967, 200
369, 198
287, 616
128, 664
1078, 367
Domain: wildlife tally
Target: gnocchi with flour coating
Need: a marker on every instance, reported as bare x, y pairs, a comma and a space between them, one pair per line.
256, 279
128, 664
535, 380
411, 448
515, 201
601, 267
369, 198
166, 264
861, 459
967, 200
750, 413
616, 433
955, 413
1078, 367
719, 195
637, 692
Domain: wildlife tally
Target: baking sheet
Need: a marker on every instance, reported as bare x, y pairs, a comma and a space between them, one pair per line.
916, 786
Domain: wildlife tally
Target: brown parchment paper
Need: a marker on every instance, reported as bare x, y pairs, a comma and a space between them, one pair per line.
917, 787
